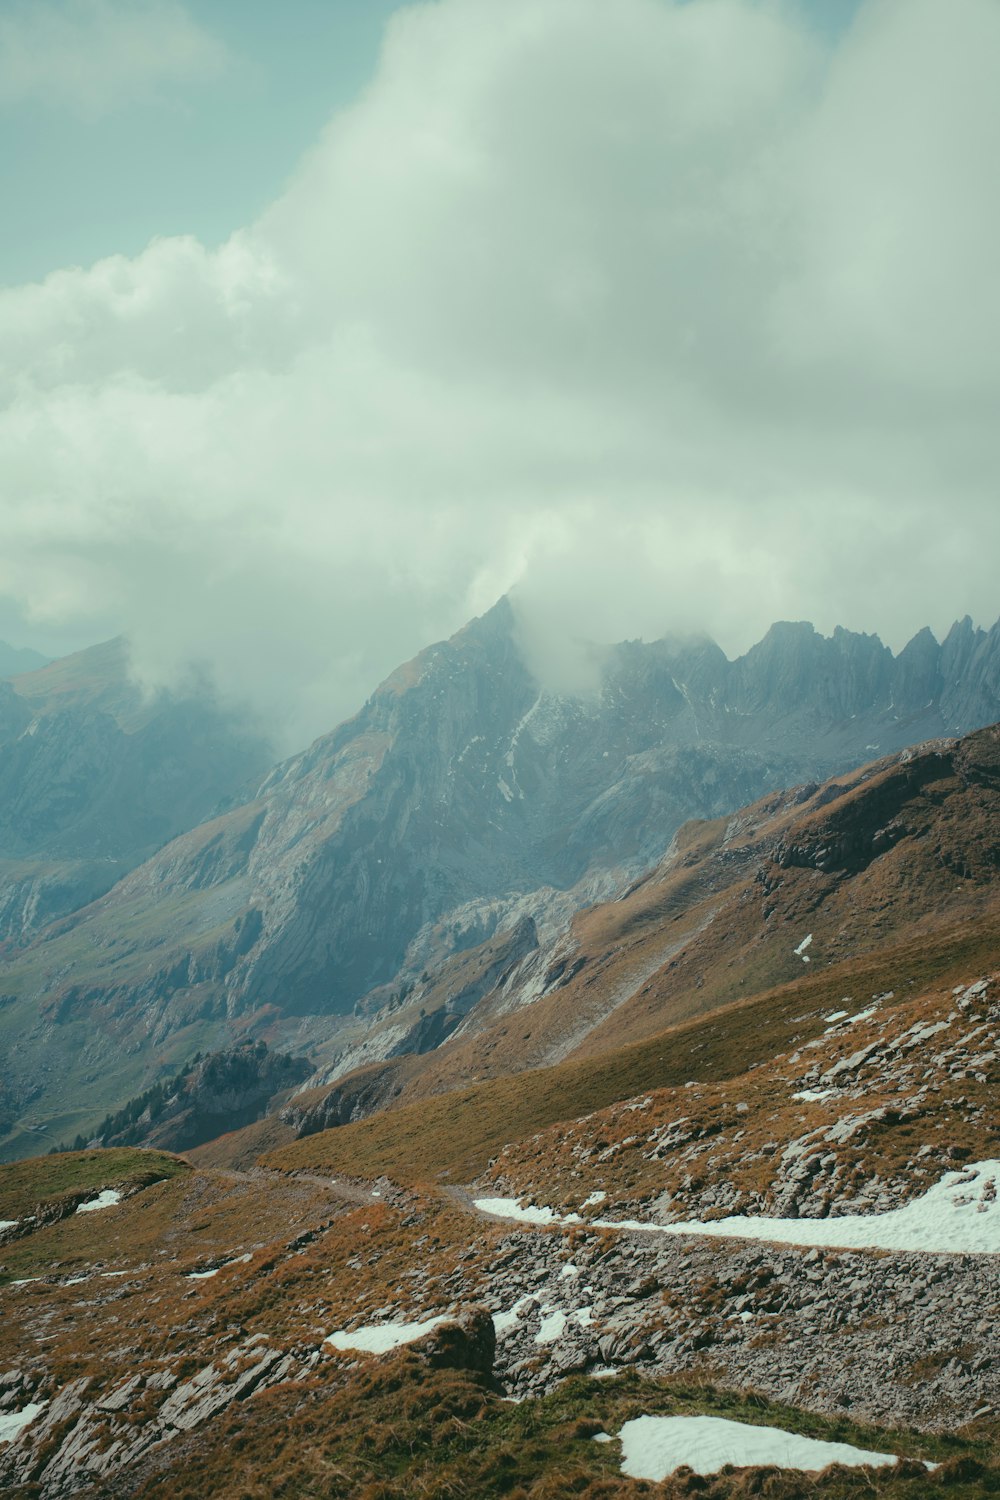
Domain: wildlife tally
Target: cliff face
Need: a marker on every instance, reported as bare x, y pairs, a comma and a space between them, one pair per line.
460, 798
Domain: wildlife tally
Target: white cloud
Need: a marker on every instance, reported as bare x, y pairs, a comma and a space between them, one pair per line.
656, 311
93, 56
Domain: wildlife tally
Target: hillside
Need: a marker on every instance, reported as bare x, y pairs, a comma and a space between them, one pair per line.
16, 659
250, 1301
760, 1186
884, 878
460, 803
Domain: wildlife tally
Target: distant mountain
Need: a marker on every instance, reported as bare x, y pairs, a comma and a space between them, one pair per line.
15, 659
95, 776
460, 799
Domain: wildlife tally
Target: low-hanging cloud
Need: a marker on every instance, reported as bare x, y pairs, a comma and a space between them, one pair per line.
666, 316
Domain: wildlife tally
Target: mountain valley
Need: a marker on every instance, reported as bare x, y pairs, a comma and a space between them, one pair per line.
673, 1096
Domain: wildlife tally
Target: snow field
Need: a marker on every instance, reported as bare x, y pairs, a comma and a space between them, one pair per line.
958, 1215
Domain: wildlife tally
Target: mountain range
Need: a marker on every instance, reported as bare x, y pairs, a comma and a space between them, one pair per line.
465, 802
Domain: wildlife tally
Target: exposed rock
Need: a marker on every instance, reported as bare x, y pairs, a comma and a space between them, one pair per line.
466, 1342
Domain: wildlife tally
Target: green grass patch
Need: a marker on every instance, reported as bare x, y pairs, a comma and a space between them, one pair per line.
401, 1428
51, 1181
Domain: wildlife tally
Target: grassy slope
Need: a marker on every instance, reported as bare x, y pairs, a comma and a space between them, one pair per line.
721, 918
52, 1181
402, 1428
456, 1134
96, 677
379, 1428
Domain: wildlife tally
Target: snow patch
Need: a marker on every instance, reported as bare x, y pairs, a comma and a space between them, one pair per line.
958, 1215
800, 951
107, 1199
510, 1208
11, 1422
810, 1095
503, 1322
553, 1327
377, 1338
653, 1447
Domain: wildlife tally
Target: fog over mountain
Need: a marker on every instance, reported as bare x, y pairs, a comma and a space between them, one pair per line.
665, 316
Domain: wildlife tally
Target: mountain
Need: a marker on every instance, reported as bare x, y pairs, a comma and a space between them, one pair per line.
15, 659
887, 876
462, 799
95, 776
781, 1214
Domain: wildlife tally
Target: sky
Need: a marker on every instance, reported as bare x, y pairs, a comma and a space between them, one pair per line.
323, 325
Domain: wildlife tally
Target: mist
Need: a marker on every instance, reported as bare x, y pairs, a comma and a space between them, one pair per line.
662, 317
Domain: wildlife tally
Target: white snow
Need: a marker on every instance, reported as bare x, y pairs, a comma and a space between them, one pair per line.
800, 951
9, 1224
107, 1199
958, 1215
653, 1447
836, 1015
11, 1422
377, 1338
568, 1270
809, 1095
597, 1197
603, 1437
503, 1322
510, 1208
203, 1275
553, 1325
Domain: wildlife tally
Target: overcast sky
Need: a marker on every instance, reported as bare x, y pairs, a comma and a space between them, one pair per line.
324, 325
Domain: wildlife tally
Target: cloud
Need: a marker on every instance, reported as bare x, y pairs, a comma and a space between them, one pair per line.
667, 316
94, 56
